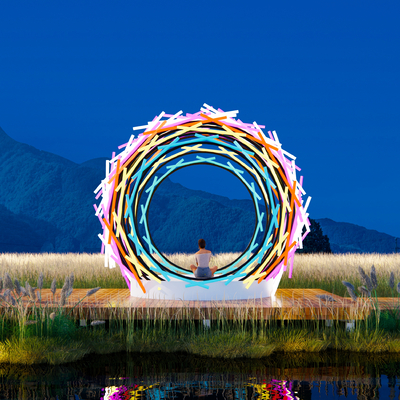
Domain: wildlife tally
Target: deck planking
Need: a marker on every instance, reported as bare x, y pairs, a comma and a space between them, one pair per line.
287, 304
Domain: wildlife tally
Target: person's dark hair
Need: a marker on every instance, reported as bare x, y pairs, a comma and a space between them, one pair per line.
202, 243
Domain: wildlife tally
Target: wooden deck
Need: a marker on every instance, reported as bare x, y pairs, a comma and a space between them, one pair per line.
287, 304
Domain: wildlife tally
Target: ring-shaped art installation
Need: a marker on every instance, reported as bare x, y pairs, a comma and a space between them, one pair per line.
213, 137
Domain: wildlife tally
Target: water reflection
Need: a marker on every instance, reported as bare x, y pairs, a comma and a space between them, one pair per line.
159, 377
210, 389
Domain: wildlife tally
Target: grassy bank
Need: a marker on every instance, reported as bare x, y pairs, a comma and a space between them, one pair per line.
68, 342
48, 333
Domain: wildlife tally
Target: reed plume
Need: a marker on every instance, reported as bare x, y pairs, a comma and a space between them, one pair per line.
374, 280
40, 281
350, 290
325, 297
92, 291
364, 291
8, 284
391, 280
65, 287
71, 280
53, 286
31, 291
17, 286
365, 279
63, 298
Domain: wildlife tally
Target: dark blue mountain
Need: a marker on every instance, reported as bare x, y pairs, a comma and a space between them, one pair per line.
46, 204
350, 238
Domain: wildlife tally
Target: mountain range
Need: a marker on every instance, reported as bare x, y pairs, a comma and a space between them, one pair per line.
46, 205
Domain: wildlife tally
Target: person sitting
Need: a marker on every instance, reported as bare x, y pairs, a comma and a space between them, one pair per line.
203, 257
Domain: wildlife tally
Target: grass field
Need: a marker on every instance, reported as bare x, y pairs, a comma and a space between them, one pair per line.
323, 271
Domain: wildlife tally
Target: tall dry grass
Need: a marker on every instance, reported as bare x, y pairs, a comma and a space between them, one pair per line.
323, 271
88, 269
327, 271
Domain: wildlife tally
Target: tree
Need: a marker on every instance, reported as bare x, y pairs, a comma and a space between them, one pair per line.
315, 241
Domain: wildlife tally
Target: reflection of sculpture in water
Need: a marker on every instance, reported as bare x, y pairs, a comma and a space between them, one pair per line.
203, 257
211, 387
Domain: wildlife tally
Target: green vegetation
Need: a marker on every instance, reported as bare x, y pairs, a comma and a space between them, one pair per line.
48, 334
315, 241
65, 341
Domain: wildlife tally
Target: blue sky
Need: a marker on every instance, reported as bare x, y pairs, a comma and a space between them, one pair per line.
75, 77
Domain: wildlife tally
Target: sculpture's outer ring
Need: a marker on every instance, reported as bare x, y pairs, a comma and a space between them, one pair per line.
207, 134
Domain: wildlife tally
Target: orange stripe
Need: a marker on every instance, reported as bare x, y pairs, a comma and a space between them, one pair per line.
207, 117
218, 122
262, 141
124, 254
135, 154
274, 264
270, 268
159, 129
117, 171
282, 174
153, 133
147, 141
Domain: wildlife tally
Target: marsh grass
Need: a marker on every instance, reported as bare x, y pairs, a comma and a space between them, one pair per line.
48, 334
322, 271
240, 337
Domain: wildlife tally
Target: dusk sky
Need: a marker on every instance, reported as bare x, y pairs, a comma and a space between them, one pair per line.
75, 77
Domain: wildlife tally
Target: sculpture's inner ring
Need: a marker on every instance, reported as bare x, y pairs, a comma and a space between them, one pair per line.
177, 270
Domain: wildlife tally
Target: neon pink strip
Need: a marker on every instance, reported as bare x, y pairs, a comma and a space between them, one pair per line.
99, 194
291, 265
122, 145
98, 216
104, 212
139, 142
110, 197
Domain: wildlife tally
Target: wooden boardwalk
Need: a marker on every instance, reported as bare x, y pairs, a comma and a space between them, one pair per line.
287, 304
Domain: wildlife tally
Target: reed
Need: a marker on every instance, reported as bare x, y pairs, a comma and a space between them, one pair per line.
323, 271
142, 330
47, 333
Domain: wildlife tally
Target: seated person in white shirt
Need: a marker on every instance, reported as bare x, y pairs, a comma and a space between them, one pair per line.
202, 260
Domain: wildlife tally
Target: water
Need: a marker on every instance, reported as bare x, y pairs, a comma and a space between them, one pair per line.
179, 377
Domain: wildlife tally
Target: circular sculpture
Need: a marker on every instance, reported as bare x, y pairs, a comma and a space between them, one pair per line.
211, 137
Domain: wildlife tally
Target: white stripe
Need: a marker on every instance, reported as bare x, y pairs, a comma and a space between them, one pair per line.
136, 128
288, 154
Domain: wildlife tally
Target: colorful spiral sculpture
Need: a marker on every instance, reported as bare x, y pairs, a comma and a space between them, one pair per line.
213, 137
